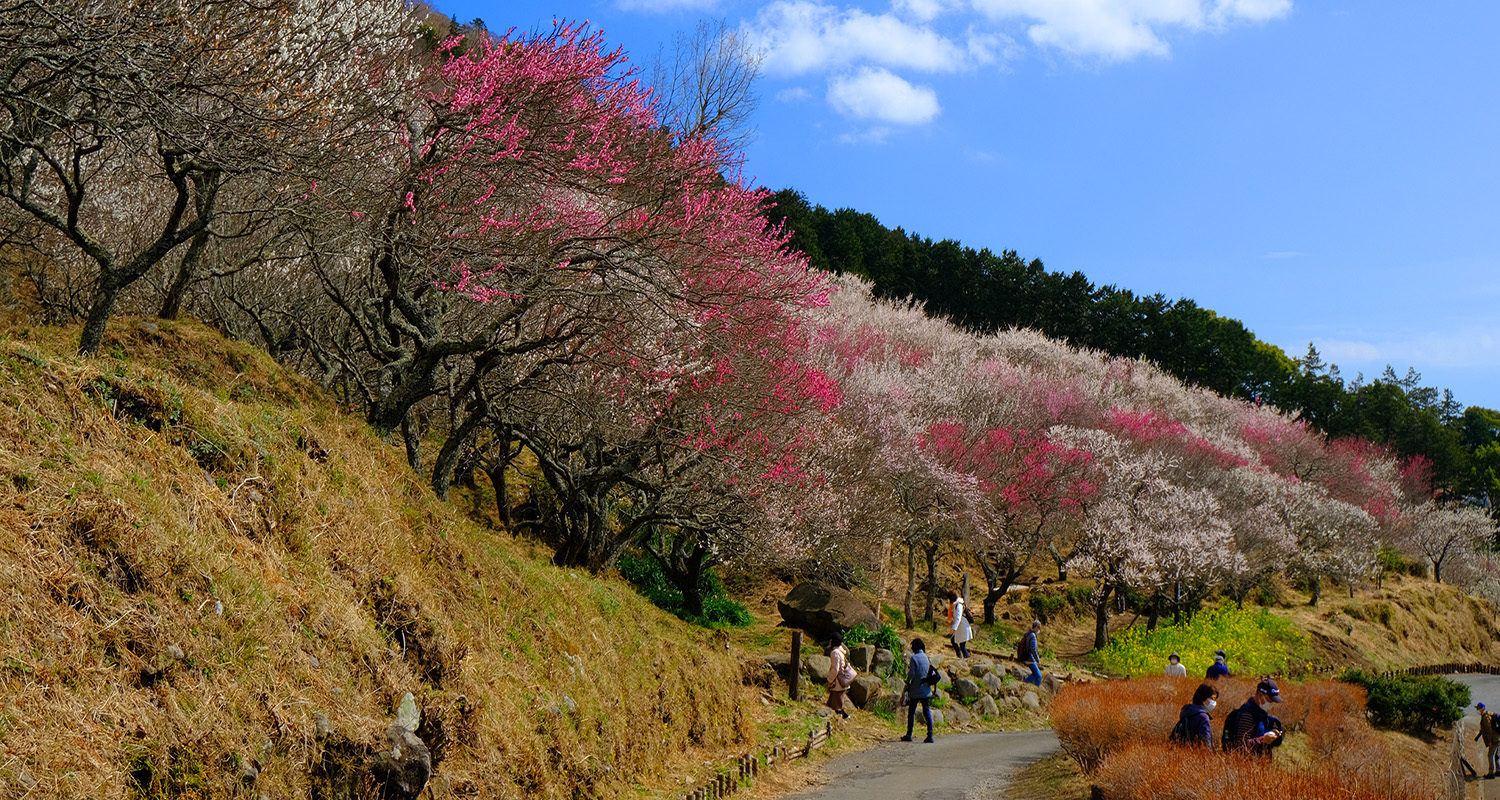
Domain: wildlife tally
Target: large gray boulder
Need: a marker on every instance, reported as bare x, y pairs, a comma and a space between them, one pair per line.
884, 662
1031, 700
987, 706
864, 689
958, 715
823, 610
979, 668
817, 669
965, 689
861, 655
992, 683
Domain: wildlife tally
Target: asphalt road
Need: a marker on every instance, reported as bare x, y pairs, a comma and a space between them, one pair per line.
974, 766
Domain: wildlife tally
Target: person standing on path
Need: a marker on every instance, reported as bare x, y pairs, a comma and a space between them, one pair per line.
1196, 726
958, 624
1489, 731
1030, 653
918, 690
1218, 669
840, 674
1253, 729
1175, 667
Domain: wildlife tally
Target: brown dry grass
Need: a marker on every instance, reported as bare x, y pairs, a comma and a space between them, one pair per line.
181, 491
1117, 731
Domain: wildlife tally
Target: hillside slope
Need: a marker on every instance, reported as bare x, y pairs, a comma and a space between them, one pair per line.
203, 558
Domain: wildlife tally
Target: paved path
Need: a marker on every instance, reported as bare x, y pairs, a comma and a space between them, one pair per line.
974, 766
1484, 689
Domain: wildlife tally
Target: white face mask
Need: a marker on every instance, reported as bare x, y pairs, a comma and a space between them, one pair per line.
1208, 705
1173, 660
1266, 706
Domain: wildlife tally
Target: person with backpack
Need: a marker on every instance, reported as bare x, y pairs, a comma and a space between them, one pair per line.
1218, 669
1251, 728
1194, 727
960, 624
1489, 730
921, 676
1028, 653
840, 674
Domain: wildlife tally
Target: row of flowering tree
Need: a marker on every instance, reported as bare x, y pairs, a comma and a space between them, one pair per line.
503, 244
1012, 448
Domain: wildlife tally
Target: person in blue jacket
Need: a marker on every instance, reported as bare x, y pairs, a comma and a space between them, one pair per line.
918, 690
1255, 730
1218, 669
1030, 653
1197, 727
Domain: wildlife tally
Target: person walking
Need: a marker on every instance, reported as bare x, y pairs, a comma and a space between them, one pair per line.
1029, 653
918, 689
840, 674
1175, 667
1194, 727
1218, 669
958, 624
1489, 731
1251, 728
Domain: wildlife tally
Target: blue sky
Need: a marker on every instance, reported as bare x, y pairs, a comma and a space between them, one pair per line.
1322, 171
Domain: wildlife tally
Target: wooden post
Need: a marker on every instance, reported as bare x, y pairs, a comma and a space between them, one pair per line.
794, 677
966, 590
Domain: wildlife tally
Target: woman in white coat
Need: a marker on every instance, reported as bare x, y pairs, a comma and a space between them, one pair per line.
958, 625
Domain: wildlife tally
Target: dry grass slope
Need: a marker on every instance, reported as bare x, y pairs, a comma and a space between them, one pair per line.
201, 554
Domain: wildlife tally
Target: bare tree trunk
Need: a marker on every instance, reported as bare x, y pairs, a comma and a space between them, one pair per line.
931, 549
911, 585
413, 440
1317, 590
1101, 618
187, 274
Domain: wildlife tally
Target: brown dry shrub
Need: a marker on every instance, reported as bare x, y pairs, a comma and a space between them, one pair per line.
1152, 771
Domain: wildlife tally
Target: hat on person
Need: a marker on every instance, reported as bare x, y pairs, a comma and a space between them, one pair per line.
1479, 705
1269, 688
1174, 655
1219, 654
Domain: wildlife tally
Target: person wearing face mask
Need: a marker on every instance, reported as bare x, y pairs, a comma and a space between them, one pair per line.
1175, 668
1251, 727
1194, 728
1218, 669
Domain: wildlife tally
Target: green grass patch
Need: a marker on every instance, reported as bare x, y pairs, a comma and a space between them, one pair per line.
1258, 642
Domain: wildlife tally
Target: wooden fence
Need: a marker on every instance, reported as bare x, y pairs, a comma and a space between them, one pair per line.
744, 769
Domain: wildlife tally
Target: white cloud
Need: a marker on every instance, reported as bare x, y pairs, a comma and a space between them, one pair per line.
1469, 346
796, 94
873, 93
798, 37
1117, 30
876, 135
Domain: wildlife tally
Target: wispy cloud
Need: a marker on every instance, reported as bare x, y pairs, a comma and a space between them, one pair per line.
1474, 344
875, 94
799, 37
795, 94
1118, 30
825, 37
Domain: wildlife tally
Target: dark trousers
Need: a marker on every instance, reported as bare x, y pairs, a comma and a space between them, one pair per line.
911, 714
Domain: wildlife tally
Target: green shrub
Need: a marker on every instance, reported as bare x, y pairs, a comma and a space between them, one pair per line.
885, 638
1051, 604
719, 609
1258, 642
1410, 702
